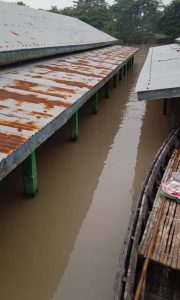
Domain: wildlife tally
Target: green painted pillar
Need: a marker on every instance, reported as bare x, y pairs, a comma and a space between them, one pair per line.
128, 65
115, 81
94, 100
74, 127
106, 89
30, 175
131, 62
124, 70
120, 74
165, 107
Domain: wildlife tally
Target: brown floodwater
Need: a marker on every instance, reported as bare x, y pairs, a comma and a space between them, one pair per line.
65, 244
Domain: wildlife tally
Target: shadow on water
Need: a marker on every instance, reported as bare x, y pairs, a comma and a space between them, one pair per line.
68, 238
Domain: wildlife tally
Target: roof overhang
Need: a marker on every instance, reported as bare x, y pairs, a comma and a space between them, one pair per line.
160, 75
36, 99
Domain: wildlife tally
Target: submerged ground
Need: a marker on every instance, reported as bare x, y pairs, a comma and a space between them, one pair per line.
66, 243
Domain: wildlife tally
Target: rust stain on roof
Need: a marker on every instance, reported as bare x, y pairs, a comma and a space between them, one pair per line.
9, 142
32, 98
66, 70
87, 65
22, 126
34, 87
41, 114
72, 83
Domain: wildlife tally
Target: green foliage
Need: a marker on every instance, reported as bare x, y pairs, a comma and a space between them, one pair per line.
54, 9
68, 11
169, 24
135, 19
21, 3
93, 12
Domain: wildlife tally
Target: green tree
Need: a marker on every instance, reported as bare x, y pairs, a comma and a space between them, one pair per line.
93, 12
169, 24
21, 3
68, 11
54, 9
135, 19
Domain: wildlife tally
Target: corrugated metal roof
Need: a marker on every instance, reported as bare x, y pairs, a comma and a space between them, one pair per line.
160, 76
37, 99
178, 40
24, 29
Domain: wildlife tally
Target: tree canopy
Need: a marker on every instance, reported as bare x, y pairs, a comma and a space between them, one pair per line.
169, 23
131, 21
136, 19
21, 3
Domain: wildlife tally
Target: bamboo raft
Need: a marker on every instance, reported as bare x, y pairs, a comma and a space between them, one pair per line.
149, 266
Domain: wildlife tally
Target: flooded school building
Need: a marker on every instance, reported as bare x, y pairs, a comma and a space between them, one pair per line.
75, 145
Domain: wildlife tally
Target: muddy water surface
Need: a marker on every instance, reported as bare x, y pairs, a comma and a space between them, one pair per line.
65, 244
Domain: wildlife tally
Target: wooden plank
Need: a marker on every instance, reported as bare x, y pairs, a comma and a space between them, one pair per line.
165, 233
166, 249
177, 241
171, 261
152, 218
170, 233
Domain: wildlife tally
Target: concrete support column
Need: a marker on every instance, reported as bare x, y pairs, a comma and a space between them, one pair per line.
106, 90
120, 74
173, 106
94, 100
165, 107
131, 62
115, 81
128, 65
124, 70
29, 171
74, 127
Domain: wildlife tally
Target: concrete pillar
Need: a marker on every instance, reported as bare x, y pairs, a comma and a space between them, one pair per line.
94, 100
128, 65
120, 74
29, 171
124, 70
173, 110
106, 89
74, 127
115, 81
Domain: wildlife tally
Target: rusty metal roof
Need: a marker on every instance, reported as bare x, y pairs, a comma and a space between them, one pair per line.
28, 33
37, 99
160, 76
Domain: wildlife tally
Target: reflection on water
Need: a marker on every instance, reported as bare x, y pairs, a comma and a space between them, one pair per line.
66, 243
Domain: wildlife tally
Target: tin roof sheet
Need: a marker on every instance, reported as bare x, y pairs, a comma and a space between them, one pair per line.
160, 76
37, 99
24, 29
